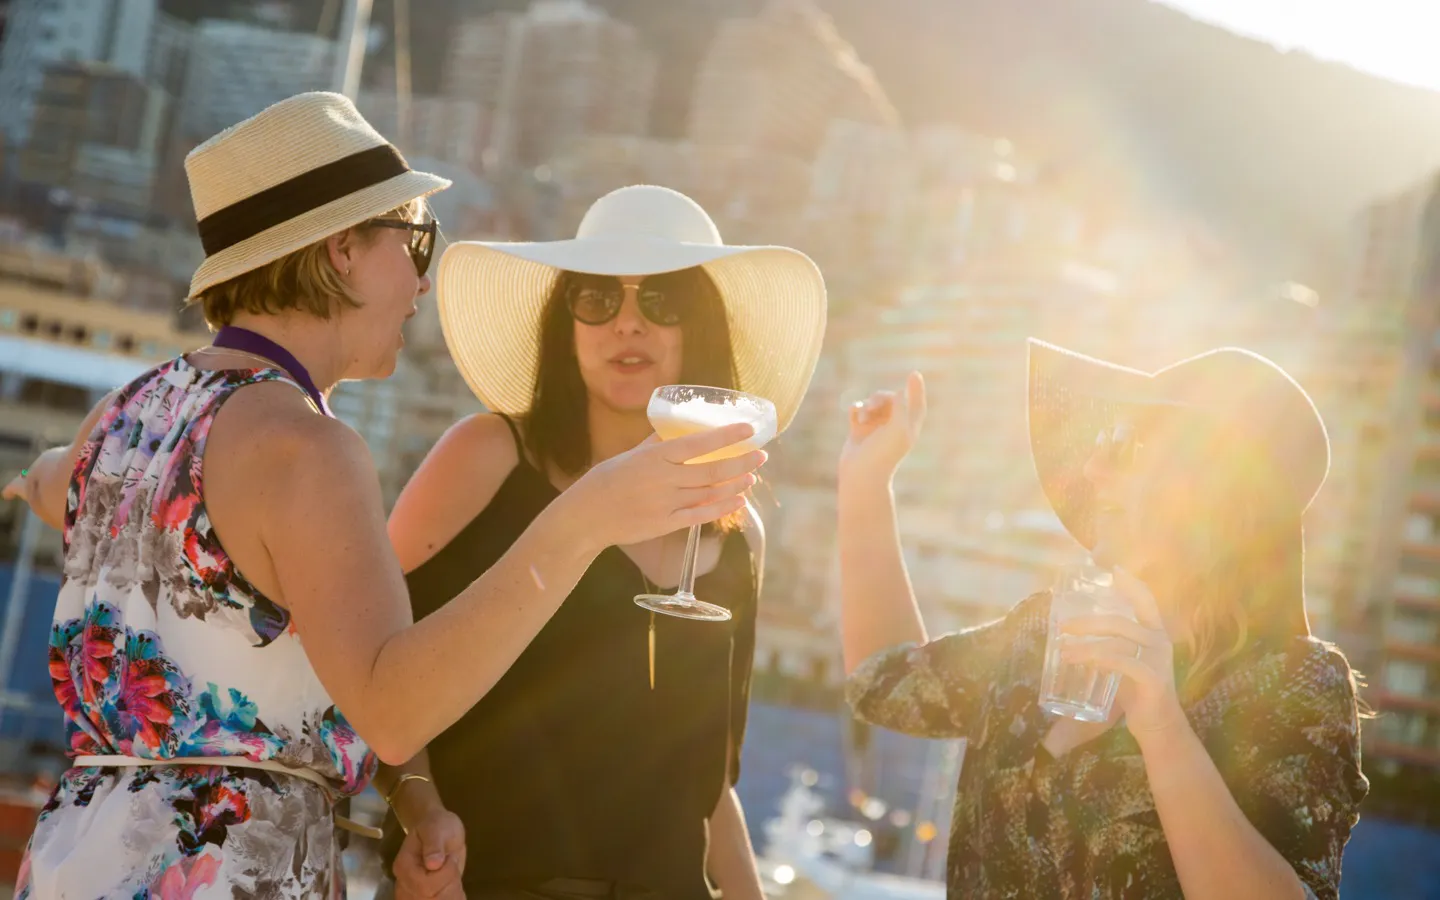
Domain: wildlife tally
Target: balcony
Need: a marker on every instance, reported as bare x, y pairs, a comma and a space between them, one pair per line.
1388, 700
1425, 495
1412, 600
1428, 549
1421, 756
1411, 650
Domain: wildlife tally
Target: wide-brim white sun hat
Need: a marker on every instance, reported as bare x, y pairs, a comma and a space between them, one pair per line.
492, 294
295, 173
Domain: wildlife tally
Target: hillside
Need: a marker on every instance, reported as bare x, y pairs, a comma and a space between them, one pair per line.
1134, 102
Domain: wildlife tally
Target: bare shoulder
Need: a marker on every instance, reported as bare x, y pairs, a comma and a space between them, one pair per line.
277, 433
274, 470
458, 478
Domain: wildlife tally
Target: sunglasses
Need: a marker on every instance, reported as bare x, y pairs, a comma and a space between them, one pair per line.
1117, 445
422, 240
597, 300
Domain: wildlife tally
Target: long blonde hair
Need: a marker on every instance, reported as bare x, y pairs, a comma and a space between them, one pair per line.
1241, 561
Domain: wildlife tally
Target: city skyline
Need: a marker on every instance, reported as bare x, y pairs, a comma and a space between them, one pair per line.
944, 246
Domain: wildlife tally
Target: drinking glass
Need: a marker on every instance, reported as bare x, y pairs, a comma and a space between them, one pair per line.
680, 409
1080, 691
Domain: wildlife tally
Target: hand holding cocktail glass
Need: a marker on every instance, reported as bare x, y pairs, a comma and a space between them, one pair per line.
676, 411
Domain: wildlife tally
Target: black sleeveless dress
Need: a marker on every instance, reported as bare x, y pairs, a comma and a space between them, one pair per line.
572, 767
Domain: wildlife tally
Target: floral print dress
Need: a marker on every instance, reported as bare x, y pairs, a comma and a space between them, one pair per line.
1281, 724
161, 649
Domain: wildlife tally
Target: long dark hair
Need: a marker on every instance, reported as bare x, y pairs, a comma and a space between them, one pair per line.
557, 428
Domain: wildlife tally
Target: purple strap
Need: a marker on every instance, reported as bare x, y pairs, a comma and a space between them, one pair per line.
243, 339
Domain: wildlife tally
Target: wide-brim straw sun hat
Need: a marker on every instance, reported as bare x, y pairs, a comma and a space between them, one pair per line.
492, 294
1073, 397
293, 174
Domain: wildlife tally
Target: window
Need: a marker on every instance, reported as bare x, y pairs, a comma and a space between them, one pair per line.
1406, 678
1414, 629
38, 392
1419, 528
1402, 727
1417, 585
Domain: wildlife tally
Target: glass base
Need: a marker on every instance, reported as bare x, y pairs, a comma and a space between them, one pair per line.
1077, 711
683, 607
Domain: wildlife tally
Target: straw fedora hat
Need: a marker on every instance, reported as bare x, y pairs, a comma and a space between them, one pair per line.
1072, 397
293, 174
491, 295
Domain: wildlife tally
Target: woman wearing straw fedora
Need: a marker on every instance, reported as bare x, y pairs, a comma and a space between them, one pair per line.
602, 764
229, 588
1229, 764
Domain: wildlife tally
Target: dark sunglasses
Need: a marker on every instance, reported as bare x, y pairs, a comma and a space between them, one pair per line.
422, 240
597, 300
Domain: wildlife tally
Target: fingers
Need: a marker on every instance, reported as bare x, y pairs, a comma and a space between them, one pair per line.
722, 470
1103, 658
1116, 627
915, 399
14, 490
873, 410
453, 891
690, 446
707, 513
1103, 646
714, 493
443, 883
1134, 591
413, 882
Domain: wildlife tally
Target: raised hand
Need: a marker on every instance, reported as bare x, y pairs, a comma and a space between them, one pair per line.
883, 429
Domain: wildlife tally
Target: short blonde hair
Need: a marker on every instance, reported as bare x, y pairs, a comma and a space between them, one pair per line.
302, 281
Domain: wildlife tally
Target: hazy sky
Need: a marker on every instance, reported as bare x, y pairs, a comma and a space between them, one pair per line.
1395, 39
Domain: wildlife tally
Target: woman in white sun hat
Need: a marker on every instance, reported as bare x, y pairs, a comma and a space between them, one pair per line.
222, 694
579, 776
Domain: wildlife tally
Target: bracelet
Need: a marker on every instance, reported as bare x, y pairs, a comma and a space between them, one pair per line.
400, 783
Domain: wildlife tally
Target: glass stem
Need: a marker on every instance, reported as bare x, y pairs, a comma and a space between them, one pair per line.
687, 573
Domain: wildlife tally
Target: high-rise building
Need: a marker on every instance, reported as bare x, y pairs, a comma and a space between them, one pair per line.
775, 82
64, 343
1383, 393
441, 127
96, 133
40, 33
236, 70
560, 70
748, 193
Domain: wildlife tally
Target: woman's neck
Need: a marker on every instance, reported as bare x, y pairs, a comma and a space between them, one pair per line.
313, 341
613, 431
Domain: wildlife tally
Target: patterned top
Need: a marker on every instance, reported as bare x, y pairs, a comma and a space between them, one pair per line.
160, 648
1281, 725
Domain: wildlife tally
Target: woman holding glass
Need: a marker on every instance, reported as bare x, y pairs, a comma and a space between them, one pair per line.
232, 644
1228, 766
603, 763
